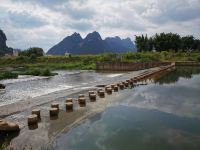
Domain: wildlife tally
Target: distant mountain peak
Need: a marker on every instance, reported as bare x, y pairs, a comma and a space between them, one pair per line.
114, 38
117, 37
2, 39
3, 47
93, 36
75, 34
91, 44
128, 39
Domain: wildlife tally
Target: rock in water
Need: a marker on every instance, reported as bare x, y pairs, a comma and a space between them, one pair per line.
2, 86
8, 126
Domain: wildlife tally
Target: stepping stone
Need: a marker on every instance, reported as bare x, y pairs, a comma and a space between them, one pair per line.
36, 112
55, 105
116, 88
99, 89
69, 106
81, 95
109, 90
32, 119
102, 94
121, 86
93, 97
82, 100
68, 100
91, 92
53, 112
8, 126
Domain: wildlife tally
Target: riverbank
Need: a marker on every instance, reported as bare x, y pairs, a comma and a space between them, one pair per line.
45, 65
48, 129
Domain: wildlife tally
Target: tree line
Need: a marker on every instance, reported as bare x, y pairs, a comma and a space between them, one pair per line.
167, 42
32, 52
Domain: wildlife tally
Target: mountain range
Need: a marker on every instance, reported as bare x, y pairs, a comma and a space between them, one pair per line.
3, 47
91, 44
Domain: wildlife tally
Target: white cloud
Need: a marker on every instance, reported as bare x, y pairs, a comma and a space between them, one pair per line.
44, 23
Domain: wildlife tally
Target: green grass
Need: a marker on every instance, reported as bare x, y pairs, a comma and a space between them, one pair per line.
8, 75
37, 72
88, 61
44, 65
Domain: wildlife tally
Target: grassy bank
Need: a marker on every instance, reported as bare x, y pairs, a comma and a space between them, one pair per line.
43, 66
8, 75
31, 71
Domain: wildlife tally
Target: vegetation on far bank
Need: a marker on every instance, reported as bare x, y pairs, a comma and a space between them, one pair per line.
87, 62
166, 42
35, 63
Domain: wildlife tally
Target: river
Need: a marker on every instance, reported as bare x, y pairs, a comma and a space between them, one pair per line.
165, 114
28, 87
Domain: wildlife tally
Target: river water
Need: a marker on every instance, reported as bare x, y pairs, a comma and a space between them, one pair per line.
164, 114
28, 87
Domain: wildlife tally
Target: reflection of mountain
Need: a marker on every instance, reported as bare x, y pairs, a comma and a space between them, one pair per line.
174, 76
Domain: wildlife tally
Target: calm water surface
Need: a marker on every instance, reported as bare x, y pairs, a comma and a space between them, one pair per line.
163, 115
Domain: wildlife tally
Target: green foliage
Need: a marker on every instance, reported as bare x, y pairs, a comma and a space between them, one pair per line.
32, 52
6, 50
166, 42
109, 57
198, 58
35, 72
143, 43
8, 75
23, 59
38, 72
46, 72
140, 57
188, 43
42, 66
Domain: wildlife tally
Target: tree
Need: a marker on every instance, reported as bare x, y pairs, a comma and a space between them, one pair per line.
197, 44
166, 42
143, 43
188, 42
32, 52
138, 42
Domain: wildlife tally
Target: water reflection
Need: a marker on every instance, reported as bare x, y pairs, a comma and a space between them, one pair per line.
180, 72
7, 138
132, 128
33, 127
160, 115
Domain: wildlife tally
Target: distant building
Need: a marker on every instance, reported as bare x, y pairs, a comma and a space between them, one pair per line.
153, 49
67, 54
16, 52
8, 55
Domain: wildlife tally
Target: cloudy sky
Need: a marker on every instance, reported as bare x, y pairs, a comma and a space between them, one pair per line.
44, 23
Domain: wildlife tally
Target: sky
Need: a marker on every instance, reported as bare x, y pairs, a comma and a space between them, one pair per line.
44, 23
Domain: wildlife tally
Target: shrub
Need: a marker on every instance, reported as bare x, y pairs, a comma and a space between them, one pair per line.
36, 51
46, 72
198, 58
23, 58
8, 75
38, 72
34, 72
